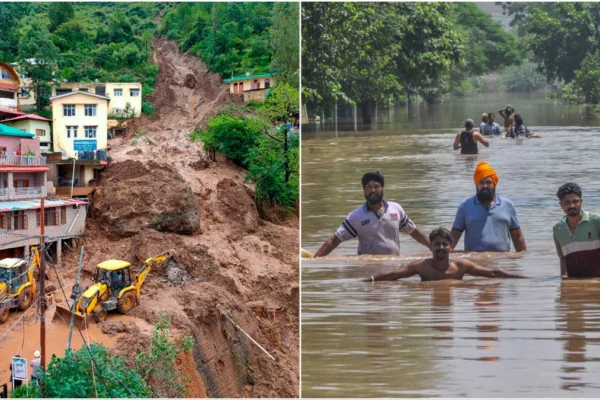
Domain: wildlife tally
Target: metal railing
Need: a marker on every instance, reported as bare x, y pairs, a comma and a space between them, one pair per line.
22, 160
34, 190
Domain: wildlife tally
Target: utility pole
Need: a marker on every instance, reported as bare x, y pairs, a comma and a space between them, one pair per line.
74, 296
42, 292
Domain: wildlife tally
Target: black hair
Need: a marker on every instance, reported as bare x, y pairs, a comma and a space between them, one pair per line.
568, 188
518, 119
491, 115
441, 232
373, 176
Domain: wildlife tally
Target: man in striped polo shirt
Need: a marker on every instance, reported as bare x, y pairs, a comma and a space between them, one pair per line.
377, 223
577, 236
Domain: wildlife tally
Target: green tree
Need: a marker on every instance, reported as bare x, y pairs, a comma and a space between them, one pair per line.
281, 103
80, 375
59, 13
587, 78
39, 62
10, 14
284, 40
559, 34
522, 78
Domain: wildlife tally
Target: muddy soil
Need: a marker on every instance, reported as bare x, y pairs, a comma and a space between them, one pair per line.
162, 194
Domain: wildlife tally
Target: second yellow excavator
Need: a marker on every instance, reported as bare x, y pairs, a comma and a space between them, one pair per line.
113, 289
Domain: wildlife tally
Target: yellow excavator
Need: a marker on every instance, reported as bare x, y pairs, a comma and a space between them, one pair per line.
17, 283
113, 289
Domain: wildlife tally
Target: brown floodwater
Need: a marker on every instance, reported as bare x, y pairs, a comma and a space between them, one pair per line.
538, 337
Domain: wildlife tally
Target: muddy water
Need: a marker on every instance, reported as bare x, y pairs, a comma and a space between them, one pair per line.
488, 338
24, 339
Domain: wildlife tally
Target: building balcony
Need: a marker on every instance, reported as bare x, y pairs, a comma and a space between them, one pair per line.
23, 161
22, 193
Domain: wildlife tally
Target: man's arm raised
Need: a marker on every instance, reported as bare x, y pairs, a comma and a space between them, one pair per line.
403, 272
328, 246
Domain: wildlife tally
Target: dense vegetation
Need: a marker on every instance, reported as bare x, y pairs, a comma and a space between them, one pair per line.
96, 372
236, 38
365, 52
247, 137
564, 40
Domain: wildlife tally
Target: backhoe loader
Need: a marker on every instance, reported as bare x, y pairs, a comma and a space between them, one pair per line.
113, 289
17, 283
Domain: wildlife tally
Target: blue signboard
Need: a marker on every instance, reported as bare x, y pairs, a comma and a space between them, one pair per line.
85, 145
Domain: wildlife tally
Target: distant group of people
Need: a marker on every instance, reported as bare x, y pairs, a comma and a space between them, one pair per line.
489, 222
514, 128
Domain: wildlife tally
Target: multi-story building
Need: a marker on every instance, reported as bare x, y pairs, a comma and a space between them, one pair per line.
23, 176
79, 131
34, 124
253, 87
125, 98
10, 85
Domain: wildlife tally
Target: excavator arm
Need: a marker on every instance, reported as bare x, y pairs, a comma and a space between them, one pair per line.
140, 277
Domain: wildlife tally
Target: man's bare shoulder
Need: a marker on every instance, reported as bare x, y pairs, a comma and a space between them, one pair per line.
463, 263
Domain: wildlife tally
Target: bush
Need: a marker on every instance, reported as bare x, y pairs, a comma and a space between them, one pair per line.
587, 78
72, 376
232, 136
523, 78
463, 89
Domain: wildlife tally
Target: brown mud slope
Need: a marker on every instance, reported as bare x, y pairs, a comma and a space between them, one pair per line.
224, 256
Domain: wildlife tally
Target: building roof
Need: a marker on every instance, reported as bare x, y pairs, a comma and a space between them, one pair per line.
79, 92
9, 86
245, 78
11, 112
6, 130
35, 204
27, 116
11, 71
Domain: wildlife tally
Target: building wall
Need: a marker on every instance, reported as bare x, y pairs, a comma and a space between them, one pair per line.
117, 103
248, 84
12, 143
30, 125
75, 217
28, 145
13, 79
59, 126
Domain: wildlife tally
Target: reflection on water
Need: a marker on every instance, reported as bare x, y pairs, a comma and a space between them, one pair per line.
477, 337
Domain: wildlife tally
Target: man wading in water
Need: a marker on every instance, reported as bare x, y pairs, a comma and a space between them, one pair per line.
509, 117
440, 267
377, 223
467, 140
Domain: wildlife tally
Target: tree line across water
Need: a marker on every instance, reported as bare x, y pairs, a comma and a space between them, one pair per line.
362, 53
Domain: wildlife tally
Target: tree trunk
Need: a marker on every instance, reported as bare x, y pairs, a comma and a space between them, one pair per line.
366, 112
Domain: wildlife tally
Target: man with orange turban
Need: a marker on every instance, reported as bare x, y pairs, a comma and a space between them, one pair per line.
489, 221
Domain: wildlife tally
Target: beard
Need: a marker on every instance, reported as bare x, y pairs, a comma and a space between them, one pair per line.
440, 255
374, 198
573, 211
485, 195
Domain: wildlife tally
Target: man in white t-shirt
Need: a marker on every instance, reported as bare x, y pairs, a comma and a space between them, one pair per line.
377, 223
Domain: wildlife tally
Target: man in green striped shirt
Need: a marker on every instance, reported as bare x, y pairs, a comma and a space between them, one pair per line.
577, 236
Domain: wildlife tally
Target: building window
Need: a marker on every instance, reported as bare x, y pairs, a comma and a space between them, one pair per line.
51, 217
255, 84
84, 89
60, 91
90, 131
90, 110
118, 92
68, 110
63, 215
267, 83
134, 92
5, 74
40, 132
6, 94
71, 130
19, 221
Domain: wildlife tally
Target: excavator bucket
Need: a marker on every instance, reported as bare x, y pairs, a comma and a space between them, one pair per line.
63, 314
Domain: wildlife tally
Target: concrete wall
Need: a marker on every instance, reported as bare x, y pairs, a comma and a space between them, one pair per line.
60, 123
12, 143
28, 145
74, 216
117, 103
255, 95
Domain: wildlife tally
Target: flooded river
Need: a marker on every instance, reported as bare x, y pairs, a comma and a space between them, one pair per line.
488, 338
